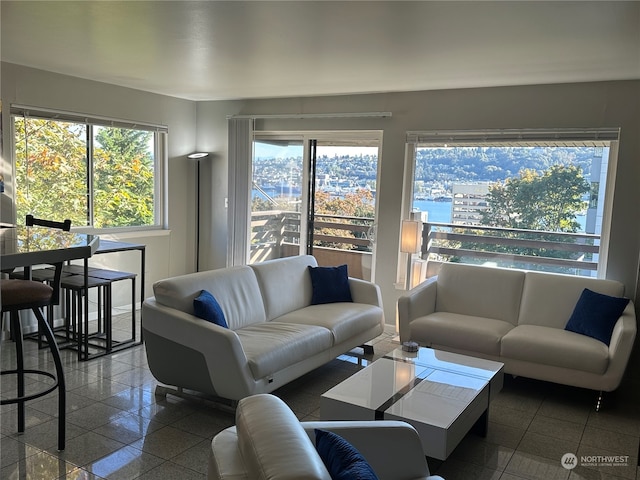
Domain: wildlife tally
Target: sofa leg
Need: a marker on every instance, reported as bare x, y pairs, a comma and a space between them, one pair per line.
223, 404
599, 400
161, 391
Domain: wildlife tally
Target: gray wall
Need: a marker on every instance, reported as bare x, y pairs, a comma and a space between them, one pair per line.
601, 104
202, 126
168, 252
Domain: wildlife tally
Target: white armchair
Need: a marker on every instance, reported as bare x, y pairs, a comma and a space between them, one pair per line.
268, 441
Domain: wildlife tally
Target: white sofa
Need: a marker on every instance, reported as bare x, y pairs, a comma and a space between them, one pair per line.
274, 334
268, 441
518, 318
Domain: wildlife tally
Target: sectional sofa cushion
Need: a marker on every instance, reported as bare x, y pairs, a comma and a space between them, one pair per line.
273, 346
292, 275
549, 299
329, 285
235, 288
465, 290
462, 332
556, 347
344, 320
596, 314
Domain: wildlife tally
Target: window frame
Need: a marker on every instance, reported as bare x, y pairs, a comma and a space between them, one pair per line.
160, 151
521, 137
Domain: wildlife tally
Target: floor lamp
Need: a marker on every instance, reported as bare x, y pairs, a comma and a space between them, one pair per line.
410, 243
197, 157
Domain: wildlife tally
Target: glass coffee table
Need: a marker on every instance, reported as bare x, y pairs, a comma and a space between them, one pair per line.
443, 395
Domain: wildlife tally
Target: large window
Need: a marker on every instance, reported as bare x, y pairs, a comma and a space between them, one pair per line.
526, 199
98, 173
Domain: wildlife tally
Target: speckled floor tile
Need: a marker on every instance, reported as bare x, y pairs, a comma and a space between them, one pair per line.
119, 427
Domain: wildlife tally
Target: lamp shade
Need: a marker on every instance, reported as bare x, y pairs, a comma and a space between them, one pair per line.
197, 155
411, 236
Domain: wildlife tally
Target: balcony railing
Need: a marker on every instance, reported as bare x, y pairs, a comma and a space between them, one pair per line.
276, 233
344, 239
574, 253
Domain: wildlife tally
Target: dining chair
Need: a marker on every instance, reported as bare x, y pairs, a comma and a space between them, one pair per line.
23, 295
65, 225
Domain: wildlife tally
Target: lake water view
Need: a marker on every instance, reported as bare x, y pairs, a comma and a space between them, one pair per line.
437, 211
441, 212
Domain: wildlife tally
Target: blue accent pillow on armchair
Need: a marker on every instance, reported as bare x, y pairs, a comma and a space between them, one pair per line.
330, 285
206, 306
596, 314
342, 459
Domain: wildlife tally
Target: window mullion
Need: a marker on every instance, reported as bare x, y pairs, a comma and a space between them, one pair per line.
90, 175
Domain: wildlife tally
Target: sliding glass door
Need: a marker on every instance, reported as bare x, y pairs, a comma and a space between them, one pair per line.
315, 193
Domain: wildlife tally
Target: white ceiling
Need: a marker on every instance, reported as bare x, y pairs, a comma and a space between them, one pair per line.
213, 50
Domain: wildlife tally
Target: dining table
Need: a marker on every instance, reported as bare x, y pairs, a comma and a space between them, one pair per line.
23, 246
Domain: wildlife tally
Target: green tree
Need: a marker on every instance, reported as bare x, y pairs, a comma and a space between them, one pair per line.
548, 201
123, 178
52, 179
354, 204
51, 170
544, 205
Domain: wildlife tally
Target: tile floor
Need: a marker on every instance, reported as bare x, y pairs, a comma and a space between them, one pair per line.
117, 428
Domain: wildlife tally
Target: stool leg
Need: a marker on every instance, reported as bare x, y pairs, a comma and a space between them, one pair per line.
101, 326
16, 327
133, 309
67, 318
62, 392
85, 318
40, 342
107, 316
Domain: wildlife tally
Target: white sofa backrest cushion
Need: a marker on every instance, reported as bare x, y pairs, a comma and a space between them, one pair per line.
479, 291
273, 443
285, 284
548, 299
235, 288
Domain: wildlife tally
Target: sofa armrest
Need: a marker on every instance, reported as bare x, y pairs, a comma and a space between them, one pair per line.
220, 347
417, 302
392, 448
621, 345
365, 292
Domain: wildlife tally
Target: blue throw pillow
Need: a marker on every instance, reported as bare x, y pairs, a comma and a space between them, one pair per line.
207, 307
330, 285
596, 314
342, 459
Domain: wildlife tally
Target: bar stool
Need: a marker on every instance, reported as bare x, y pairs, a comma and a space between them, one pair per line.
18, 295
74, 288
76, 294
45, 275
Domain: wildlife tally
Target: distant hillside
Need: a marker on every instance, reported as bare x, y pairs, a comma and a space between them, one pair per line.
433, 165
494, 163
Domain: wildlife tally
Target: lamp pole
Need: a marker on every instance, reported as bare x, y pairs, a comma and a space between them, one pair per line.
197, 157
